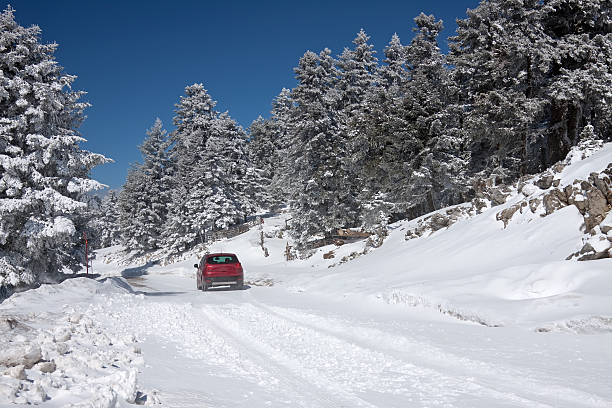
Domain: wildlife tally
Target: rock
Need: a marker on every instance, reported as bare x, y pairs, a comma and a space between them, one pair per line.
17, 372
597, 207
438, 221
553, 201
594, 256
556, 182
62, 348
479, 204
23, 354
584, 185
36, 394
558, 167
507, 214
604, 184
329, 255
45, 367
545, 181
534, 204
498, 197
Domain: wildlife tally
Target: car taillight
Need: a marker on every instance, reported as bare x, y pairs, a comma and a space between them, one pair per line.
239, 267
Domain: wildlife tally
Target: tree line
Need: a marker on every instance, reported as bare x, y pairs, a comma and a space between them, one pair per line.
362, 141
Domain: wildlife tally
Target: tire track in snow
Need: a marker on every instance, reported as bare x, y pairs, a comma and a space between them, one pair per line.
205, 336
310, 389
519, 386
341, 365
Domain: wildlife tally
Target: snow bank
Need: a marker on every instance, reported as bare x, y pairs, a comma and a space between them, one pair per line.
52, 351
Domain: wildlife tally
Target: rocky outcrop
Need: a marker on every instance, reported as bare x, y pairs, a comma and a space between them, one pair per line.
592, 197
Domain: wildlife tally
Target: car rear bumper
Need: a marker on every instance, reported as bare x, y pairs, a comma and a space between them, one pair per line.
223, 280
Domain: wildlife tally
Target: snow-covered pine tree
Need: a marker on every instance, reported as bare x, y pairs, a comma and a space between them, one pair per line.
501, 57
134, 211
320, 201
194, 117
232, 188
146, 194
263, 153
268, 148
435, 178
357, 80
157, 170
282, 108
376, 135
44, 173
107, 222
214, 185
581, 74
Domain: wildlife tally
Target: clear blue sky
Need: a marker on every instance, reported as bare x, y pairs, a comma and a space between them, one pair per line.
134, 58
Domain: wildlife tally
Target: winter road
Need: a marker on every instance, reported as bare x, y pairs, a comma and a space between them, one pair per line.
266, 346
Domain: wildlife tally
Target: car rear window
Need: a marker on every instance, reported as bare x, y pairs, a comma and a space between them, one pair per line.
221, 259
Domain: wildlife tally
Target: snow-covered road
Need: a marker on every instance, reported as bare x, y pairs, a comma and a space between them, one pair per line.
266, 346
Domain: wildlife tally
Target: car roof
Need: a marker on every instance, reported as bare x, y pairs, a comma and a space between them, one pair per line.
221, 254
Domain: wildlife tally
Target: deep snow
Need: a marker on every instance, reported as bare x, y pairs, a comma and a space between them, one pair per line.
476, 315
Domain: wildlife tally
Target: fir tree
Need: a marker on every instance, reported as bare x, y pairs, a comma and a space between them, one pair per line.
194, 118
319, 199
107, 222
44, 173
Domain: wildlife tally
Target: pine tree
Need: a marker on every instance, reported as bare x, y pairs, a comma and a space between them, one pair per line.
214, 185
146, 193
106, 224
194, 118
157, 171
379, 134
437, 167
44, 173
282, 109
135, 212
581, 73
319, 199
501, 57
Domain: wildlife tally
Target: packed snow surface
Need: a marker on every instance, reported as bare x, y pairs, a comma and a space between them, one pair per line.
476, 315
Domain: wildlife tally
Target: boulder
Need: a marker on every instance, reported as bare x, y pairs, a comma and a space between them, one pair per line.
558, 167
45, 366
506, 215
604, 184
597, 207
438, 221
329, 255
545, 181
534, 204
554, 200
498, 196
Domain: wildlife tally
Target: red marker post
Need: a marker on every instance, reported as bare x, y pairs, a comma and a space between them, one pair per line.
86, 255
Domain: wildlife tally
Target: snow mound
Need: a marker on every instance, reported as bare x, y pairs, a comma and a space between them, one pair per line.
53, 352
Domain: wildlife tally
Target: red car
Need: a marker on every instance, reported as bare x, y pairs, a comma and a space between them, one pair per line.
219, 270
